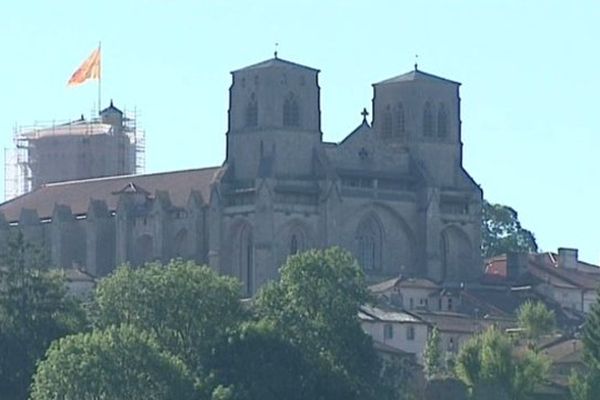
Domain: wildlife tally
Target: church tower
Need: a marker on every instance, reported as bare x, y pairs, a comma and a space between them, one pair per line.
274, 120
421, 111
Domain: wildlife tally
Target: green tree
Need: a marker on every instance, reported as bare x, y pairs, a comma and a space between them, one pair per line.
314, 305
487, 365
188, 307
585, 385
501, 232
433, 355
117, 363
34, 311
535, 319
257, 363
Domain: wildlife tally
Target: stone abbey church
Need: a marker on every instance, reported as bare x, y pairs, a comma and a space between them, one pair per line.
393, 192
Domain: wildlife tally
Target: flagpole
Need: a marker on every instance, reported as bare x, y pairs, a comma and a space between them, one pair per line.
99, 77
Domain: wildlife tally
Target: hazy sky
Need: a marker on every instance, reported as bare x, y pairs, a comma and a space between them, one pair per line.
529, 71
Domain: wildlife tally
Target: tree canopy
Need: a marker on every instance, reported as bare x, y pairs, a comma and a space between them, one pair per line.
34, 310
315, 305
432, 355
501, 232
487, 365
535, 319
115, 363
258, 363
186, 306
585, 385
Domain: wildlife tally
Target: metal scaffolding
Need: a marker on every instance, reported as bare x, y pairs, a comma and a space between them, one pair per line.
17, 160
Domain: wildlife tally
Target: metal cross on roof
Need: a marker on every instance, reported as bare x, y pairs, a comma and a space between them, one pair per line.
364, 114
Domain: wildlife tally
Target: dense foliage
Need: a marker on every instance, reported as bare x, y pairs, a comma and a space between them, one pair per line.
300, 338
585, 385
535, 319
34, 311
314, 305
187, 307
116, 363
488, 366
501, 232
432, 355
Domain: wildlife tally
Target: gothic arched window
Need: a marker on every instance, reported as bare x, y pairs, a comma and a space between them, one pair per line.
246, 260
293, 244
291, 111
387, 122
297, 240
369, 240
428, 120
251, 117
442, 121
399, 120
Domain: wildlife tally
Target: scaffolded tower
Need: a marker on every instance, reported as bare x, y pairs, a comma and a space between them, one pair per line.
108, 145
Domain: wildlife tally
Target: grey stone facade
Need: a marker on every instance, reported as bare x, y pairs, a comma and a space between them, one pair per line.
393, 192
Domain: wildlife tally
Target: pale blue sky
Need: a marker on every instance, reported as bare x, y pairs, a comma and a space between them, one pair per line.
529, 71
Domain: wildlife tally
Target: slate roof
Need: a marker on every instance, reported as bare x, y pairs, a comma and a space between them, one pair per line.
403, 282
544, 267
549, 271
275, 62
77, 194
416, 75
564, 351
454, 322
369, 313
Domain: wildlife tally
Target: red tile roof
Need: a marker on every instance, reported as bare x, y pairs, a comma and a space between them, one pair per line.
77, 194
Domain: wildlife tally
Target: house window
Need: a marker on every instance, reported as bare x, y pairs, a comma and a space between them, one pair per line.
388, 331
411, 303
410, 333
451, 346
449, 304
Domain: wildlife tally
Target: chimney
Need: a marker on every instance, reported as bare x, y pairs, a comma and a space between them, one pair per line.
567, 258
516, 264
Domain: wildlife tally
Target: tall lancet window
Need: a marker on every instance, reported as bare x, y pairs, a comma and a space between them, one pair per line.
251, 117
291, 111
369, 241
442, 121
399, 129
297, 240
246, 260
428, 120
387, 122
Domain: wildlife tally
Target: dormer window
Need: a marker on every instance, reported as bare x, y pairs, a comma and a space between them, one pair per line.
251, 117
291, 112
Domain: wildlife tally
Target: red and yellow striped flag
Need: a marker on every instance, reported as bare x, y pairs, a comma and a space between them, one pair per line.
90, 69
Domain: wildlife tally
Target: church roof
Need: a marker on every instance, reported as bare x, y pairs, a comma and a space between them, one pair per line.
111, 108
416, 75
275, 62
77, 194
